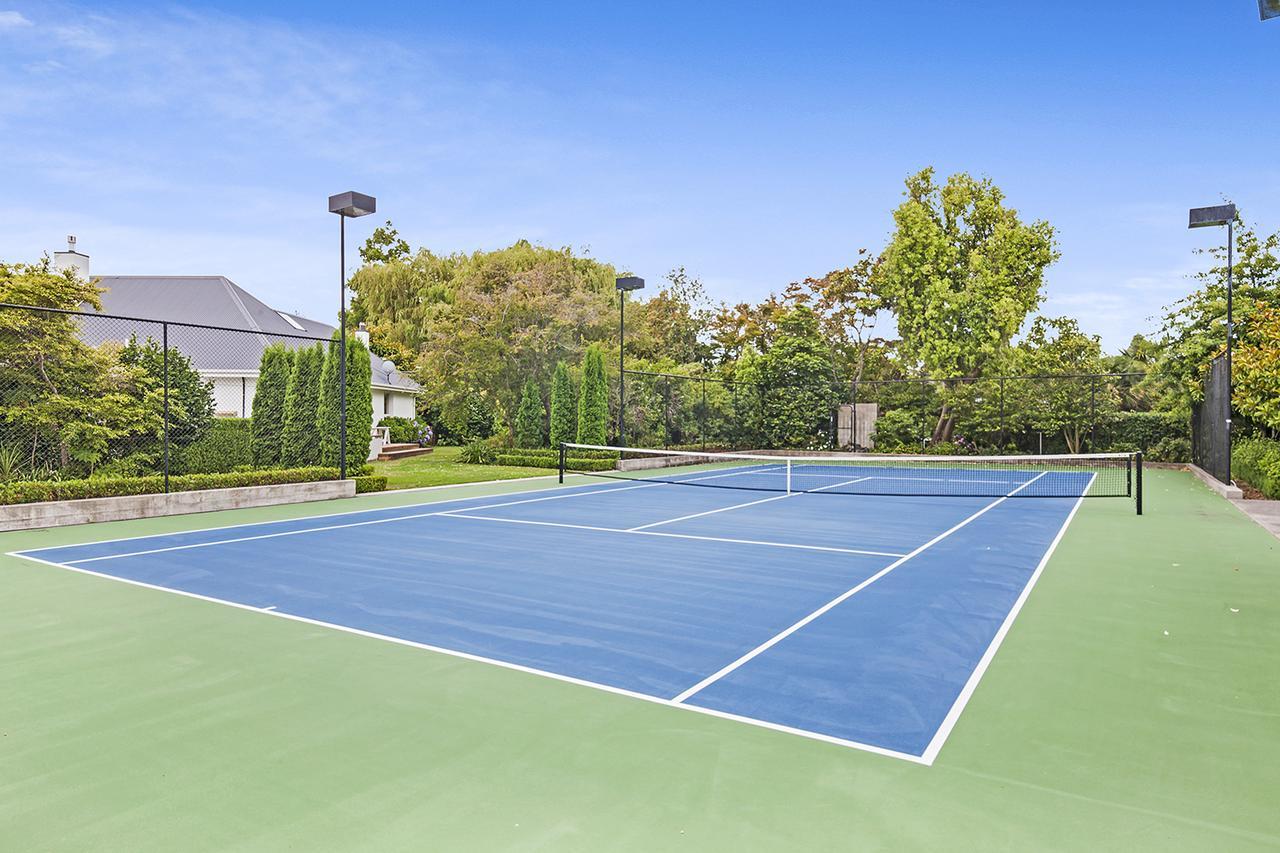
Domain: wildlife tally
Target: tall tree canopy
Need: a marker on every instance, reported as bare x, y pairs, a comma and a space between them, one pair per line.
961, 274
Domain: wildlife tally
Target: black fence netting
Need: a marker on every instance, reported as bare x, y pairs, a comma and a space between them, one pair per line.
87, 394
1211, 423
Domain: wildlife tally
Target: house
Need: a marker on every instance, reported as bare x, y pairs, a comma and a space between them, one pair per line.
229, 354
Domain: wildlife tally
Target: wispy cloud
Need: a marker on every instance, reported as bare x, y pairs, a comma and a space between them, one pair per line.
11, 20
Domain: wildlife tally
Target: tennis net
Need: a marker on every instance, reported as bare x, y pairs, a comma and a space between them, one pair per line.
1056, 476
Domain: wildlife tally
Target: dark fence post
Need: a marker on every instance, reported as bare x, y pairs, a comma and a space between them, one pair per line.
1093, 412
1138, 481
1002, 429
164, 343
853, 416
562, 461
702, 415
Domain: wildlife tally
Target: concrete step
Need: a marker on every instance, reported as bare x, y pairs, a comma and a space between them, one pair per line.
401, 451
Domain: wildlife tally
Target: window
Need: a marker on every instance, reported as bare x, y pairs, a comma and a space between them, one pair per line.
291, 321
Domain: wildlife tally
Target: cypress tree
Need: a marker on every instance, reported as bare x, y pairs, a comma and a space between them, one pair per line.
359, 404
267, 422
564, 413
593, 399
301, 402
529, 417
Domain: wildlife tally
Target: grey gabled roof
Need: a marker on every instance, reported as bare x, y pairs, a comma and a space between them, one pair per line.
210, 300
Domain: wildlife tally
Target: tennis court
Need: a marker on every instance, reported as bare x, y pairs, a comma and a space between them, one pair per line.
789, 593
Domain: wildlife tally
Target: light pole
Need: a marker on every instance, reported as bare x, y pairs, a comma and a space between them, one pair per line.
623, 284
1206, 217
348, 204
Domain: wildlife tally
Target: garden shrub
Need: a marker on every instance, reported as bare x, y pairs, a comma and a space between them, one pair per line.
1169, 449
268, 404
33, 491
227, 444
529, 417
1130, 431
371, 483
478, 453
1256, 461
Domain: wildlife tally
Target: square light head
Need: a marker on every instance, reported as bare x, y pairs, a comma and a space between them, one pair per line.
352, 204
1205, 217
629, 282
1268, 9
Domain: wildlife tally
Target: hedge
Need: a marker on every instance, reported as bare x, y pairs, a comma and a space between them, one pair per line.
33, 491
227, 443
524, 460
1256, 461
1130, 431
371, 483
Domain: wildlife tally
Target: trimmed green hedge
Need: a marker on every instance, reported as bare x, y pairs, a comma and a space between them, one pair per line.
1256, 461
371, 483
529, 460
1130, 431
33, 491
227, 444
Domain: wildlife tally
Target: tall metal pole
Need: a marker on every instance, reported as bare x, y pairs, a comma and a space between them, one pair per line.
1231, 333
164, 336
342, 348
622, 374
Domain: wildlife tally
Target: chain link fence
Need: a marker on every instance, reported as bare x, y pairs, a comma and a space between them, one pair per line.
85, 394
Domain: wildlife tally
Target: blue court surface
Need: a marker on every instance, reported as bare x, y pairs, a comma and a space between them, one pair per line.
858, 619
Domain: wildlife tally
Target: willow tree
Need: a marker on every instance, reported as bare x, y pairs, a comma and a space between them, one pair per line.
960, 275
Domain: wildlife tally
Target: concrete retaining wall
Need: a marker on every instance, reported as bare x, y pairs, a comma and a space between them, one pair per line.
62, 513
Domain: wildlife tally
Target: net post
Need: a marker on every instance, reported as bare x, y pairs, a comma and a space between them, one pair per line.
1138, 479
788, 476
562, 461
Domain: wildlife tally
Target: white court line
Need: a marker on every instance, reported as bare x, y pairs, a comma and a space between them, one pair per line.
618, 691
701, 514
844, 596
610, 489
462, 513
957, 707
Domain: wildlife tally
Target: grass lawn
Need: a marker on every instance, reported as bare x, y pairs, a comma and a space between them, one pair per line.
441, 467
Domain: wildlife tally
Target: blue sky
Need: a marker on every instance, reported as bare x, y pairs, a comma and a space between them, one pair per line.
752, 143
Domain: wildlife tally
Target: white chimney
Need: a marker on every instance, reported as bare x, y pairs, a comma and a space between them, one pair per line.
363, 334
71, 259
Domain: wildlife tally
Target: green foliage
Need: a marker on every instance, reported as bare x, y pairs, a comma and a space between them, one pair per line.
795, 374
1131, 431
1194, 330
405, 430
480, 324
478, 453
227, 444
1256, 369
68, 405
359, 403
593, 399
530, 418
564, 411
370, 483
575, 463
1170, 449
1256, 461
961, 274
190, 395
897, 429
299, 438
384, 246
1056, 346
33, 491
269, 404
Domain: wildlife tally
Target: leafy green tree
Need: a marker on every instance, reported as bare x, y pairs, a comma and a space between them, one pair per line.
749, 398
479, 324
564, 414
1055, 346
300, 438
593, 399
64, 403
961, 274
1194, 331
1256, 365
530, 418
384, 246
359, 404
796, 373
673, 323
268, 405
190, 395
